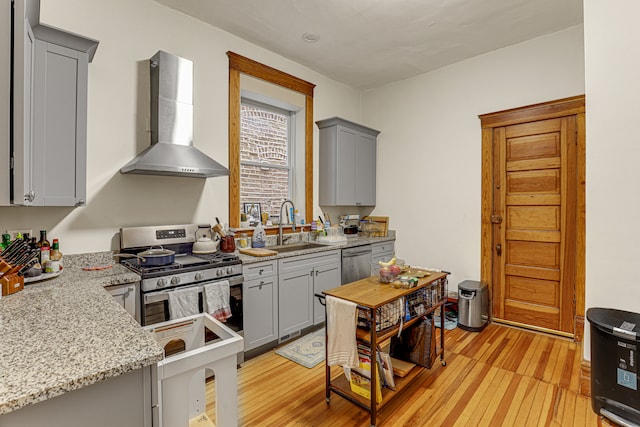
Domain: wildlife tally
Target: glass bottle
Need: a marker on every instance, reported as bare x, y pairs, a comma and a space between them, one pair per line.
54, 264
55, 255
44, 246
6, 240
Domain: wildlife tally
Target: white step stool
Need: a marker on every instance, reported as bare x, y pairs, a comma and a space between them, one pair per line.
178, 385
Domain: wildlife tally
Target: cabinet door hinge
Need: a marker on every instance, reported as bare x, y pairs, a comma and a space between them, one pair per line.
11, 163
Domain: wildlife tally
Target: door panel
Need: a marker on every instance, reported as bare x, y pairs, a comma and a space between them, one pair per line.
533, 147
534, 315
537, 291
545, 181
534, 254
533, 217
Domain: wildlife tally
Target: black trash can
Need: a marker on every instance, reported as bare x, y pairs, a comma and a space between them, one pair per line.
473, 305
614, 364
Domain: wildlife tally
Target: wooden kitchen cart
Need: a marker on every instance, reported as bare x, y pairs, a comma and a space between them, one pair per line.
373, 298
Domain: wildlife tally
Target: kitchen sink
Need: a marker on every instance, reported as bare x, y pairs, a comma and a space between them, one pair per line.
296, 247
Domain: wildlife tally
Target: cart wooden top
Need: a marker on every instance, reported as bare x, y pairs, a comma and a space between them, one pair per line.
371, 293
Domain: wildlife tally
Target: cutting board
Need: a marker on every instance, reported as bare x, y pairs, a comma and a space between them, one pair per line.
401, 367
258, 252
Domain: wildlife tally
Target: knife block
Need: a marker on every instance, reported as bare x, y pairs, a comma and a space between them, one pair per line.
4, 266
11, 283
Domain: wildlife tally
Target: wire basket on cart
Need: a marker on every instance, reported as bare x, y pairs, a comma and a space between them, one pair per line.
414, 304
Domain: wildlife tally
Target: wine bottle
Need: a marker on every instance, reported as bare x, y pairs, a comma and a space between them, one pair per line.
45, 247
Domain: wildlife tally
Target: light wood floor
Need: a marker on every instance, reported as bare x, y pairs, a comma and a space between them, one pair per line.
501, 376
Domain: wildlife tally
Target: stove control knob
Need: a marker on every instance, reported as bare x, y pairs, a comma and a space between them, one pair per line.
219, 272
161, 283
229, 270
175, 280
199, 276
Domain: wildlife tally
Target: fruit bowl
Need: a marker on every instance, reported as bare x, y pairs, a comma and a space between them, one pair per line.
387, 269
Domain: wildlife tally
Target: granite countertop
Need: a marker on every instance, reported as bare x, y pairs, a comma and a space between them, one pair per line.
66, 333
351, 242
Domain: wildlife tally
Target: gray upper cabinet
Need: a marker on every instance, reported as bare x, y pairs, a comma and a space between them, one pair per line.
347, 163
25, 13
59, 126
49, 145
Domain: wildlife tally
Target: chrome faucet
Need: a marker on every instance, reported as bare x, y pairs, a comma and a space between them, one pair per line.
293, 223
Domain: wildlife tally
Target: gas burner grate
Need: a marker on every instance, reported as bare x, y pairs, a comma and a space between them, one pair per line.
146, 269
218, 257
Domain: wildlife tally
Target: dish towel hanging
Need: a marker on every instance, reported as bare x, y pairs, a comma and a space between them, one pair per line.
342, 349
216, 300
183, 302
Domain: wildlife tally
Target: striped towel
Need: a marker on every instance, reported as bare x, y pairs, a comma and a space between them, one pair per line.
216, 300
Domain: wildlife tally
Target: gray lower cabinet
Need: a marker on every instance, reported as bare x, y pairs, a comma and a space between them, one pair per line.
326, 276
382, 250
295, 299
347, 163
127, 296
299, 278
260, 304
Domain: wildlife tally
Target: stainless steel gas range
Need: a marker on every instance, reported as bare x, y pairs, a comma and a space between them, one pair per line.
186, 270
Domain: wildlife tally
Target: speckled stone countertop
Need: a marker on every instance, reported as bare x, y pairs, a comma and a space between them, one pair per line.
66, 333
351, 242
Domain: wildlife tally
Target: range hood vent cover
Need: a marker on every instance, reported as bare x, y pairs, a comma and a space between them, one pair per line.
171, 151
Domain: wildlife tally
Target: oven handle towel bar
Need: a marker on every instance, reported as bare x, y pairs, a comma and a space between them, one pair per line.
163, 294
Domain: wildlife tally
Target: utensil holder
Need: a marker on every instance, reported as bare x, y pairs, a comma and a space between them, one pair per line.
11, 283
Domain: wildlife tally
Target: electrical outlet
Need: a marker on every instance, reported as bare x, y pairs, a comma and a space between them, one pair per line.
14, 233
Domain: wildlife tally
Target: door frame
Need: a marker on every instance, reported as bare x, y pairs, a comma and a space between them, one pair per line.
547, 110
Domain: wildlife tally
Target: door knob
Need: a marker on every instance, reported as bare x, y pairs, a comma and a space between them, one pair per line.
499, 249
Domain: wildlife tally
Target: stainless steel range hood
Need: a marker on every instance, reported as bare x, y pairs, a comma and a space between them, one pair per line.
171, 151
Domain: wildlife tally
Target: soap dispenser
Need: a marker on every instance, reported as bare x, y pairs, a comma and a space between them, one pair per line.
258, 240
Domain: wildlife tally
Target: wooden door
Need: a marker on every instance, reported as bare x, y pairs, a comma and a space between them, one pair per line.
534, 219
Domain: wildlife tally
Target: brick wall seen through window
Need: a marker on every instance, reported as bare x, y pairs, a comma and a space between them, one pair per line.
264, 157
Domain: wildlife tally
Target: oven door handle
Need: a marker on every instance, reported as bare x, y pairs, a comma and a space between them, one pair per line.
164, 294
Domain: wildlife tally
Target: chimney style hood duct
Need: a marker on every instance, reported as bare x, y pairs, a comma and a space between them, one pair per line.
171, 151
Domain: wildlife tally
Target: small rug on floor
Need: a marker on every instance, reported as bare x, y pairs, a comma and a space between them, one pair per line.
307, 351
449, 324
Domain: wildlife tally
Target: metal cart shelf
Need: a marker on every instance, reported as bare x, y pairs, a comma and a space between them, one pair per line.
376, 302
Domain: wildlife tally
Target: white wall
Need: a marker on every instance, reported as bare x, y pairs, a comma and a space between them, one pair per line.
130, 32
612, 74
429, 157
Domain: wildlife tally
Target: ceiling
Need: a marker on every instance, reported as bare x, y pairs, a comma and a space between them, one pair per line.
368, 43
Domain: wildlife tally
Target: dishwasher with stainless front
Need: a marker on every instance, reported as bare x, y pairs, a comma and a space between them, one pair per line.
356, 263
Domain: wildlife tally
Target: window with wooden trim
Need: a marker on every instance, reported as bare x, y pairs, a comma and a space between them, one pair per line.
241, 65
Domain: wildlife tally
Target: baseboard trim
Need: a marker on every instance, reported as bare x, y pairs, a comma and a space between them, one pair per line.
584, 386
534, 328
579, 332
